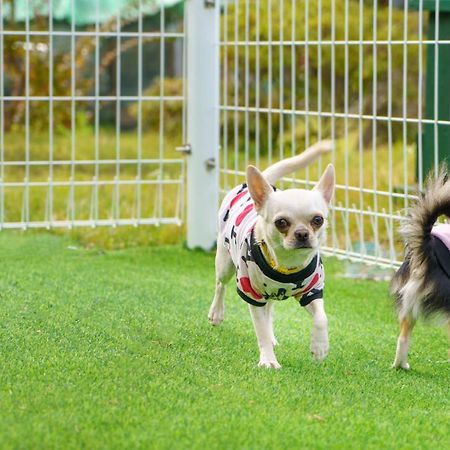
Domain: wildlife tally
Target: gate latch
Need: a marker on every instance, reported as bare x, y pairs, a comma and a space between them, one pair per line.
210, 3
210, 164
185, 148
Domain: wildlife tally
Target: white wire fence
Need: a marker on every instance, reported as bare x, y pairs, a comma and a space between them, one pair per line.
90, 114
373, 76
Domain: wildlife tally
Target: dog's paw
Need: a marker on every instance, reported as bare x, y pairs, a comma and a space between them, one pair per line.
319, 349
215, 315
400, 365
269, 363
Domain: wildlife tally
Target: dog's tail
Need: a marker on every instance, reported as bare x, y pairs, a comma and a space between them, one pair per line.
434, 202
278, 170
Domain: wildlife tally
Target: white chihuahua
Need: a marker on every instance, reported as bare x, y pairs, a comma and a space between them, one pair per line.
270, 239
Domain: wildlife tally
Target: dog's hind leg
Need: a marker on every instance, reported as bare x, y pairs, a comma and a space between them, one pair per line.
401, 356
224, 271
261, 316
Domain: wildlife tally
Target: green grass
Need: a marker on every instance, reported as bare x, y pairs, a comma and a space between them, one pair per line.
113, 350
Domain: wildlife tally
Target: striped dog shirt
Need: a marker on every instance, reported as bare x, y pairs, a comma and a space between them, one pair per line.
257, 281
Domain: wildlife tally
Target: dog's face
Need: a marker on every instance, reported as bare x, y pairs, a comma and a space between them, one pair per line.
294, 219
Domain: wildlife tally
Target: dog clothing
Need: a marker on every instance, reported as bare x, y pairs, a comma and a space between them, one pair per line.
442, 232
257, 281
441, 246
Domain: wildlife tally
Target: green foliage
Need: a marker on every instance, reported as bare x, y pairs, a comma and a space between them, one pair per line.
113, 350
151, 110
38, 66
29, 63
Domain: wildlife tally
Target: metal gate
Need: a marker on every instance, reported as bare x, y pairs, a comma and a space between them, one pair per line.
91, 109
296, 71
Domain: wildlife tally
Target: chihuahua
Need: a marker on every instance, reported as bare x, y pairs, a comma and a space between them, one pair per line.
421, 286
270, 239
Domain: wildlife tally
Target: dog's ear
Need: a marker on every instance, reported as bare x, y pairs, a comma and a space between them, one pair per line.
258, 187
326, 183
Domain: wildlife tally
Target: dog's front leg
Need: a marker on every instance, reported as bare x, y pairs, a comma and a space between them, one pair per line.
261, 316
319, 332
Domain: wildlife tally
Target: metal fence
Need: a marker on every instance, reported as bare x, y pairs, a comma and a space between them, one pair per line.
81, 143
87, 112
295, 71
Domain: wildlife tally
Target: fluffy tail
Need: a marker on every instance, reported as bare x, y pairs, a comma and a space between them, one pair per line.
434, 202
287, 166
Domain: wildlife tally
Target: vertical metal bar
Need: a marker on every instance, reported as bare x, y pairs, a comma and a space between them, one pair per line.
361, 128
257, 84
390, 222
138, 211
184, 128
203, 123
307, 84
73, 117
236, 90
333, 111
162, 49
293, 75
374, 125
246, 83
26, 200
420, 100
184, 113
97, 112
225, 96
281, 75
116, 206
405, 104
319, 77
269, 82
50, 113
436, 89
346, 149
2, 120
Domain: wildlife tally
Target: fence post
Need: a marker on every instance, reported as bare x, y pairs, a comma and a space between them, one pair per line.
202, 34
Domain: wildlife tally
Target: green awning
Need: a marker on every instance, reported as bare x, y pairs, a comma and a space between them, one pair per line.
84, 12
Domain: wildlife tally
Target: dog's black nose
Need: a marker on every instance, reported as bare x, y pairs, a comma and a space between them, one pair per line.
301, 235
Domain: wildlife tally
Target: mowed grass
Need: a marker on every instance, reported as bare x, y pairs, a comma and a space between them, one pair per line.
113, 350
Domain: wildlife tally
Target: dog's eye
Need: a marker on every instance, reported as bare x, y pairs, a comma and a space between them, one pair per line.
282, 224
317, 221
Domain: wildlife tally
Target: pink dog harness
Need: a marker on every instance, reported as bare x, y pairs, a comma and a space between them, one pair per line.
442, 232
257, 281
441, 246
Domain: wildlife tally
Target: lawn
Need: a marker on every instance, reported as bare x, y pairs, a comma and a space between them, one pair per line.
113, 350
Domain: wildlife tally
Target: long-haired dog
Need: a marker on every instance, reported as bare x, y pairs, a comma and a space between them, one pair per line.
421, 286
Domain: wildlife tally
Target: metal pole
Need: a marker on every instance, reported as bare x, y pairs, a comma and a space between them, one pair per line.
202, 122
